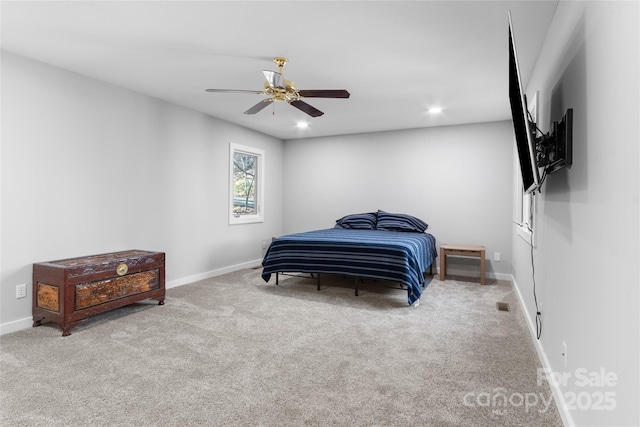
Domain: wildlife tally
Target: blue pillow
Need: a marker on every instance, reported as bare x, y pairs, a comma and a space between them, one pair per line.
400, 222
362, 221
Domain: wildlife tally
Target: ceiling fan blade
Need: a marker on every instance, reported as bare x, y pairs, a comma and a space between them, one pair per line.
324, 93
274, 79
234, 91
303, 106
259, 106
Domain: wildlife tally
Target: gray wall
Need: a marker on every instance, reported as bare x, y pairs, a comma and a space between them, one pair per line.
456, 178
89, 168
587, 236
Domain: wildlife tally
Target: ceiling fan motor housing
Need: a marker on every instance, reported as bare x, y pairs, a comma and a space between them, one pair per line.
287, 93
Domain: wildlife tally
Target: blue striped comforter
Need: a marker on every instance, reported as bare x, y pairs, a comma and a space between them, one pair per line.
377, 254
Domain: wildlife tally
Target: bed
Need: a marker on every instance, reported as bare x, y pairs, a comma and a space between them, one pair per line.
360, 245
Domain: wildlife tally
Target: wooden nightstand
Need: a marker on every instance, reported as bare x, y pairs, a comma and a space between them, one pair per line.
461, 250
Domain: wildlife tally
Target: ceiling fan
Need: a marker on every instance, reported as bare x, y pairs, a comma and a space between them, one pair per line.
280, 89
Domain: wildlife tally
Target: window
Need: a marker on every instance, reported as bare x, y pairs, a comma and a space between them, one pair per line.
246, 167
524, 217
526, 201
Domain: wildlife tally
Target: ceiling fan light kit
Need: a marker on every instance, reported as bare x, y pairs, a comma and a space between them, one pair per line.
281, 90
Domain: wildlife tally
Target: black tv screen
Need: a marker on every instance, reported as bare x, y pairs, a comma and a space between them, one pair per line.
525, 136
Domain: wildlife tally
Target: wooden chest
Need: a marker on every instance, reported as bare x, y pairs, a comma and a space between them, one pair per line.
68, 291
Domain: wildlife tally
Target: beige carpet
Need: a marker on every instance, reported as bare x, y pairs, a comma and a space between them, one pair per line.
234, 350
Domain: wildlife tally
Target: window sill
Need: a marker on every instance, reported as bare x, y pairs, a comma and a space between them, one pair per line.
525, 235
245, 219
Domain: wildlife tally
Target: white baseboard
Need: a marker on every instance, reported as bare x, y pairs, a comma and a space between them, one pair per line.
16, 325
466, 273
26, 323
213, 273
567, 420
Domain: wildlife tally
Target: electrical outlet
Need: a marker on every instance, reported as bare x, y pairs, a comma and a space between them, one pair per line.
264, 244
21, 290
496, 256
564, 353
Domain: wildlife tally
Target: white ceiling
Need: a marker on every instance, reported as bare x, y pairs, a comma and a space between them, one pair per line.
396, 58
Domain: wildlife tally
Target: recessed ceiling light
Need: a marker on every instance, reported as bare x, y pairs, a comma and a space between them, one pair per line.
435, 110
302, 125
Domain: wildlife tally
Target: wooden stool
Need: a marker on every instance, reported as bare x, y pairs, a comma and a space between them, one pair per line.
461, 250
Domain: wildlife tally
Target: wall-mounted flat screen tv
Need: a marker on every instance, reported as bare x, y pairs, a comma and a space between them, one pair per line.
524, 129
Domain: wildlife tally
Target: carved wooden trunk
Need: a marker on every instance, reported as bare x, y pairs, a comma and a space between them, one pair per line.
68, 291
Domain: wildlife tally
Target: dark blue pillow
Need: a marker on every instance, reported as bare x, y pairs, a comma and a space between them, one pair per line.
400, 222
362, 221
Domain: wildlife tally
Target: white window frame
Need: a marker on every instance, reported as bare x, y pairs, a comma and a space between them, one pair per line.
526, 202
260, 184
524, 220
